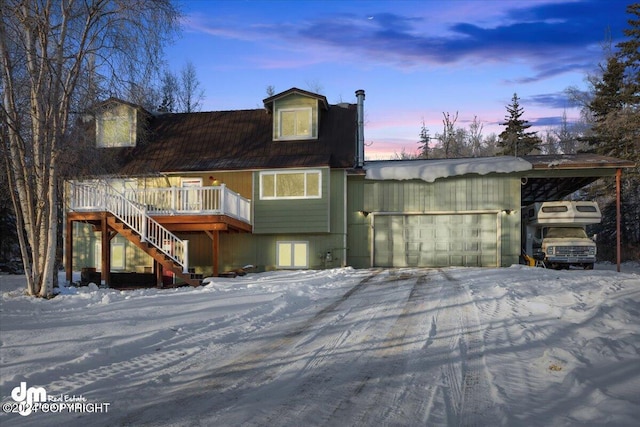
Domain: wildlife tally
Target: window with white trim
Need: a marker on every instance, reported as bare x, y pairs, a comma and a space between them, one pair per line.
291, 185
115, 131
292, 254
295, 123
118, 256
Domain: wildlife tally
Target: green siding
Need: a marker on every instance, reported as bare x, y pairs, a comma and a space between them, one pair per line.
458, 195
452, 194
292, 216
238, 250
358, 236
320, 222
86, 253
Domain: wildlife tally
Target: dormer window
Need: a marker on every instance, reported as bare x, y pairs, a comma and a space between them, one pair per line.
296, 114
116, 126
295, 123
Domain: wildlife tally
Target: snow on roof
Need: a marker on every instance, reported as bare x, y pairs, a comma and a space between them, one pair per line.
430, 170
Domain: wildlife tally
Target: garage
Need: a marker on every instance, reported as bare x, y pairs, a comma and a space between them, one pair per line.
469, 239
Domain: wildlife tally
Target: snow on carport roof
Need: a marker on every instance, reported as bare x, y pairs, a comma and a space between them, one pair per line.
430, 170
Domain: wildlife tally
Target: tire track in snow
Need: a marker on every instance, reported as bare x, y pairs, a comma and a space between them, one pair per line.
469, 398
262, 365
405, 337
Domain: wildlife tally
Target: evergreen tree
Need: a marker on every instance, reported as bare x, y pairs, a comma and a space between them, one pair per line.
615, 131
169, 90
424, 142
515, 140
606, 107
615, 105
629, 52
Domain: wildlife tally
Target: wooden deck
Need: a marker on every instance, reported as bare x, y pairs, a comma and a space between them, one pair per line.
211, 225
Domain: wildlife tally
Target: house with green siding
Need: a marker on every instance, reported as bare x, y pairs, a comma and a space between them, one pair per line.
180, 196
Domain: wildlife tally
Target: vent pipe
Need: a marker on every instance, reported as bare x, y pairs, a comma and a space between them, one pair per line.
360, 129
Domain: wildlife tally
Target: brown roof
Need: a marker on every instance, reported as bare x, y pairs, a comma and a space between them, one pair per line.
576, 161
577, 171
236, 140
268, 101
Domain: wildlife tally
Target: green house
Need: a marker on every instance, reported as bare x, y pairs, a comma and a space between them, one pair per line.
172, 197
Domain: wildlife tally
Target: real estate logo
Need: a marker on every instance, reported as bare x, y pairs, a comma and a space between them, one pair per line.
35, 399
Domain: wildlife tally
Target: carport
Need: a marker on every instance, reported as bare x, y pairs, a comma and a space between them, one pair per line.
554, 177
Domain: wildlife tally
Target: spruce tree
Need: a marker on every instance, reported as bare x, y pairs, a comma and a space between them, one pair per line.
423, 147
629, 52
608, 111
615, 131
515, 140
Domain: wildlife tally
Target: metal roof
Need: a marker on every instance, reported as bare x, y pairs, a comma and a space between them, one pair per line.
554, 177
239, 140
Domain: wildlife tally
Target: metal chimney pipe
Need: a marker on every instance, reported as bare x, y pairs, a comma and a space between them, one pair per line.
360, 129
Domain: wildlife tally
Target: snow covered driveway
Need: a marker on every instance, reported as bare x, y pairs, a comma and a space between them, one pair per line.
364, 359
443, 347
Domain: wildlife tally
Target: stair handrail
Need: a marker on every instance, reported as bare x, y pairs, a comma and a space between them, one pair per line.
135, 216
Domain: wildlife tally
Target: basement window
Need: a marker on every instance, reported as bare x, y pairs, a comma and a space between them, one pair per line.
291, 255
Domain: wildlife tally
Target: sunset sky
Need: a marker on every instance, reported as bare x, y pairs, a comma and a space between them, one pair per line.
414, 59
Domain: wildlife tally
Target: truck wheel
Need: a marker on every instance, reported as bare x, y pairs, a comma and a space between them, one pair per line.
588, 266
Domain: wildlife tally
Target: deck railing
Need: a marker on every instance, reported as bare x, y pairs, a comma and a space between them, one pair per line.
217, 200
209, 200
99, 195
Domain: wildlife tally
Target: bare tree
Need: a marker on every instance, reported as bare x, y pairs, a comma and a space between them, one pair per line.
315, 86
448, 135
475, 136
46, 50
190, 94
271, 90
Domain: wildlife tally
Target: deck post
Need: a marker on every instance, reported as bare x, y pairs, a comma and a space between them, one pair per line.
174, 200
106, 250
68, 251
223, 198
157, 267
618, 252
216, 248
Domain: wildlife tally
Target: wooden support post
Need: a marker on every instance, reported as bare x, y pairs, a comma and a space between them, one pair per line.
618, 236
68, 251
157, 268
216, 249
106, 250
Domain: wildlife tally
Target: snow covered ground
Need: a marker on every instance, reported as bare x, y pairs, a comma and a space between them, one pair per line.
514, 346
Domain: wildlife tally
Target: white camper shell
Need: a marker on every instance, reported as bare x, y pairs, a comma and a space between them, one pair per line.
554, 232
561, 213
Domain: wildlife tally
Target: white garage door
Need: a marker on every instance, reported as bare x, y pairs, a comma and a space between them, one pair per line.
435, 240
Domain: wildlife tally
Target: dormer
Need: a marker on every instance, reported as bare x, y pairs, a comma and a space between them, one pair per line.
296, 114
118, 123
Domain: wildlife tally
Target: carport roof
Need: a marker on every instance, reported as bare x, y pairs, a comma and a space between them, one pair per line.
544, 177
554, 177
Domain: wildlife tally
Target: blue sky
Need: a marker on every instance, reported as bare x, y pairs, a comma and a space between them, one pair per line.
414, 59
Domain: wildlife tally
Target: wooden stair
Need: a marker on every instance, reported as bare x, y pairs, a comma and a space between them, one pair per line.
166, 262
